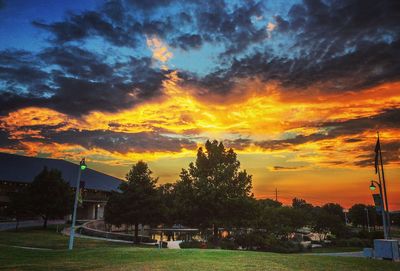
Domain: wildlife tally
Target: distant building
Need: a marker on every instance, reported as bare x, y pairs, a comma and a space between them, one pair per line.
17, 170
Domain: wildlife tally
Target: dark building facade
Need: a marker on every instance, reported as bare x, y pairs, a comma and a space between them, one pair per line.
17, 170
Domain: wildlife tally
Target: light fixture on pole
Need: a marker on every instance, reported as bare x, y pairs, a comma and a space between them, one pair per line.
372, 187
82, 167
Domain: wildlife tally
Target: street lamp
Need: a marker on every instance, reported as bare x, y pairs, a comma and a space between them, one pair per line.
82, 167
372, 187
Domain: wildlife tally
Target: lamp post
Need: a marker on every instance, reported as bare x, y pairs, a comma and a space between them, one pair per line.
82, 167
372, 187
366, 210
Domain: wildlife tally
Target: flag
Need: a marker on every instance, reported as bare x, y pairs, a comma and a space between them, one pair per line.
377, 149
378, 202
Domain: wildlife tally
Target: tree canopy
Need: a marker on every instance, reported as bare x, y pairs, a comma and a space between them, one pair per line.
219, 192
138, 201
49, 195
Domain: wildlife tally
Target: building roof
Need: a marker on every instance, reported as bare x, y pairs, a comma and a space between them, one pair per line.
23, 169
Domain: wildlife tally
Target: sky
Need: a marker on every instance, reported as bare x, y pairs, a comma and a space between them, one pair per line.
298, 89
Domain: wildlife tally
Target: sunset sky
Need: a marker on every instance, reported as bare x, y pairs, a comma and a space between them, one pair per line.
297, 88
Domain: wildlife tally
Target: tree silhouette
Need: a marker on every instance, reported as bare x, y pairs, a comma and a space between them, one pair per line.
49, 195
138, 202
217, 191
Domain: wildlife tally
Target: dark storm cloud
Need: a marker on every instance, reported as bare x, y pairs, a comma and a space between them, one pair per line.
77, 83
343, 22
77, 62
338, 45
109, 140
91, 23
234, 28
188, 41
149, 4
7, 142
390, 154
370, 65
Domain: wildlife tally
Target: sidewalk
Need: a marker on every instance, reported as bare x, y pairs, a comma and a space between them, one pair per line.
357, 254
27, 224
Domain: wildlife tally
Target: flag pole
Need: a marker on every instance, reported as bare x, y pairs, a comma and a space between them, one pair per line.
384, 186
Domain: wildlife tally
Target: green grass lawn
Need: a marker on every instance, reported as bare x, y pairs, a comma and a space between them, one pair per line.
48, 238
99, 255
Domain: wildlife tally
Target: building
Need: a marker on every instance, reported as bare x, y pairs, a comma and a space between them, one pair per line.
17, 170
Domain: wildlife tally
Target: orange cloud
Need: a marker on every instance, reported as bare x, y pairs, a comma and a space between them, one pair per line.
159, 49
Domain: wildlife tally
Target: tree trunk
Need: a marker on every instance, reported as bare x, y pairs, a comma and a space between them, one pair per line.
45, 222
216, 234
136, 233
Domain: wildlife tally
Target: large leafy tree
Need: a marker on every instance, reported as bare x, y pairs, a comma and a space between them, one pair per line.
138, 201
49, 195
214, 189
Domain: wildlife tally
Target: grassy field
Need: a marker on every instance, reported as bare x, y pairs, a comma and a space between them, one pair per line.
99, 255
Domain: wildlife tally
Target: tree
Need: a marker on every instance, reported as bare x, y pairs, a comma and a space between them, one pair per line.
49, 195
269, 203
281, 221
357, 215
220, 193
138, 202
334, 209
324, 222
19, 206
302, 204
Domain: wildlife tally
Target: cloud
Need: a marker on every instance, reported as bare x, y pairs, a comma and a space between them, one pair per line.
79, 81
188, 41
284, 168
80, 26
159, 49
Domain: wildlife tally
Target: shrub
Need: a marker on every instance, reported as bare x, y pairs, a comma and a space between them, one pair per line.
192, 244
228, 244
267, 242
370, 235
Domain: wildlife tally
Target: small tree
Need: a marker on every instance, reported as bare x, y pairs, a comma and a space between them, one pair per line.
358, 215
50, 196
19, 206
301, 204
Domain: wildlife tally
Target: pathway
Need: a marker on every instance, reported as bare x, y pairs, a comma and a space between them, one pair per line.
357, 254
27, 224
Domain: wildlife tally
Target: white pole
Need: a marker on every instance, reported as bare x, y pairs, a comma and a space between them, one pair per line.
72, 231
366, 209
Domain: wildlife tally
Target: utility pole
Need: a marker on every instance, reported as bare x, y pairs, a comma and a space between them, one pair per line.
276, 194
